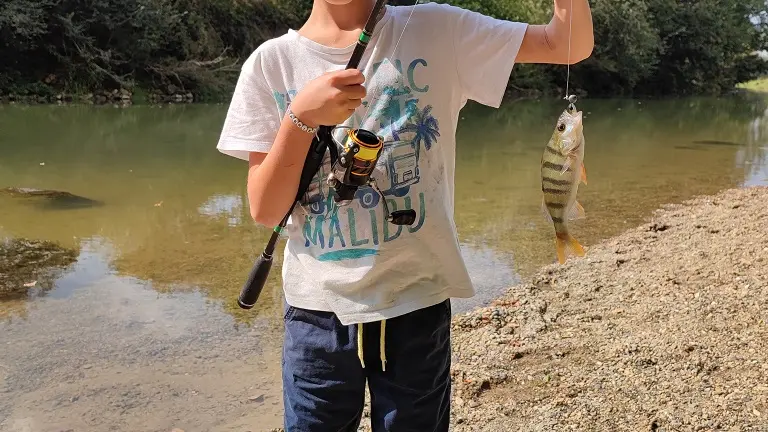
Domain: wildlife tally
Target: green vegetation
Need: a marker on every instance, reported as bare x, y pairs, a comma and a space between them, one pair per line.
137, 49
171, 46
759, 85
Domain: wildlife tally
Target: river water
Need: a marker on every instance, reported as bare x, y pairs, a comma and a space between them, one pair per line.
142, 332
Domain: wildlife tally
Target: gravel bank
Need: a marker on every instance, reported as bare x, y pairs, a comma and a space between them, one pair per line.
662, 328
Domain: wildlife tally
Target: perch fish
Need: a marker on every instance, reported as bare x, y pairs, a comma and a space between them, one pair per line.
562, 170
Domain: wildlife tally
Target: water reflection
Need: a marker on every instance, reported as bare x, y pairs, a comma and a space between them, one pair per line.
105, 351
228, 206
754, 156
634, 163
161, 262
175, 211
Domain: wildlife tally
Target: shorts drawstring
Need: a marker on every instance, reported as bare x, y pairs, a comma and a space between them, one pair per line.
360, 344
382, 345
382, 352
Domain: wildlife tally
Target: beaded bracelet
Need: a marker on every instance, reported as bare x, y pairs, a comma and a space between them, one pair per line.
299, 124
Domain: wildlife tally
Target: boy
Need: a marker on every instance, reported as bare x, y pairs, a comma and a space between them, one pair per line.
367, 300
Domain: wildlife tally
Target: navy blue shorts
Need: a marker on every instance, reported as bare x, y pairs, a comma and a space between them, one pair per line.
324, 379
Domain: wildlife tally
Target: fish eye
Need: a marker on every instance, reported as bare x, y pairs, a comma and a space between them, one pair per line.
561, 127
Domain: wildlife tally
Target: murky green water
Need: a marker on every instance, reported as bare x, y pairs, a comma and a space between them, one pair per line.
162, 259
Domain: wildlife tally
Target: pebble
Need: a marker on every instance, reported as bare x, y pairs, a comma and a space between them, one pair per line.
257, 398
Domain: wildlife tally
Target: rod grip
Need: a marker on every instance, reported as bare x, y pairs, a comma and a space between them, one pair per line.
255, 283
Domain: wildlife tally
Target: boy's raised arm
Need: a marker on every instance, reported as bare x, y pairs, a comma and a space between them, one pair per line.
549, 43
486, 48
274, 146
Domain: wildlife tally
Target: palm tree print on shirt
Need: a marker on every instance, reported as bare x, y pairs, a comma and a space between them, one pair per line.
424, 126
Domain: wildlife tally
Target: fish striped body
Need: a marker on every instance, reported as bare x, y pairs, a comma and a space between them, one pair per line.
562, 170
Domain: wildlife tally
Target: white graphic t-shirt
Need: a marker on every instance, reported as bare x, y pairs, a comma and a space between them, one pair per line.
349, 259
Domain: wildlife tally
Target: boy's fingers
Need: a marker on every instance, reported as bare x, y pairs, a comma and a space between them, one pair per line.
356, 92
350, 77
354, 103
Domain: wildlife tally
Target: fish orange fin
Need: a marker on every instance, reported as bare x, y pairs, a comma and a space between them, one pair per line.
565, 243
583, 174
576, 211
575, 246
560, 245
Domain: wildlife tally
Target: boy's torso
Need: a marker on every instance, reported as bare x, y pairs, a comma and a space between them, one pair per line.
348, 259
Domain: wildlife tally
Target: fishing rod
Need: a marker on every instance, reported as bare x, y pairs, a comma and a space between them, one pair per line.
352, 168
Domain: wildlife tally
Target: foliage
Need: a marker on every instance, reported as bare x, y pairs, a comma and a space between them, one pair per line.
704, 45
518, 10
625, 52
108, 44
643, 47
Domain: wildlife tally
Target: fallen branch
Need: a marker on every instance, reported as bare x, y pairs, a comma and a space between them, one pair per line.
217, 60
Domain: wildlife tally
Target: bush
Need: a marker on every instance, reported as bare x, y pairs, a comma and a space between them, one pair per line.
649, 47
179, 45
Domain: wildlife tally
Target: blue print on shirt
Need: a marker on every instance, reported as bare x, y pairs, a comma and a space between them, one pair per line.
395, 114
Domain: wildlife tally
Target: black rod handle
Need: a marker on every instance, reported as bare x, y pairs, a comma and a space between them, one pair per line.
257, 278
256, 281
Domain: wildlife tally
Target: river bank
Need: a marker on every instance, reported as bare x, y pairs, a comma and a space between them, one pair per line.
118, 97
662, 328
142, 332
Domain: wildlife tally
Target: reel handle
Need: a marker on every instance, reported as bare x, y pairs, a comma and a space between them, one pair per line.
403, 217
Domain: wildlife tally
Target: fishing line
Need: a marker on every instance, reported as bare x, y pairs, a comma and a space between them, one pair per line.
370, 103
568, 62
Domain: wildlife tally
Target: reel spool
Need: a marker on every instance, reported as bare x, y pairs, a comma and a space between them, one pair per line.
353, 169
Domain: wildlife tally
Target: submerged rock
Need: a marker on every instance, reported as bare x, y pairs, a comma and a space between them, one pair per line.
51, 199
30, 264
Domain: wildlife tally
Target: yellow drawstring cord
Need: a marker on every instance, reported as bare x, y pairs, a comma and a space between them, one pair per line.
382, 345
382, 352
360, 344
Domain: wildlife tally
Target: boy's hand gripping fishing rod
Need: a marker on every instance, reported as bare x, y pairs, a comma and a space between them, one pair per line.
351, 169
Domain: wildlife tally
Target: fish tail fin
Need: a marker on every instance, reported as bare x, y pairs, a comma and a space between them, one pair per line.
561, 252
565, 243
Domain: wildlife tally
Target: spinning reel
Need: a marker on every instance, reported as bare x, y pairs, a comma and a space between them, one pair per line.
353, 168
